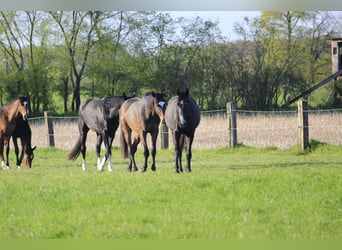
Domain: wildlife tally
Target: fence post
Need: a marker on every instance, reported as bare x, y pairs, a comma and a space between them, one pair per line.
164, 135
49, 126
303, 119
232, 132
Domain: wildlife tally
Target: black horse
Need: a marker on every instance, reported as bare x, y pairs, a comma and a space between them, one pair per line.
23, 132
137, 118
101, 116
182, 116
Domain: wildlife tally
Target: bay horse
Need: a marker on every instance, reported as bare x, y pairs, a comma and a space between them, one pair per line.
8, 120
102, 117
23, 132
182, 116
138, 117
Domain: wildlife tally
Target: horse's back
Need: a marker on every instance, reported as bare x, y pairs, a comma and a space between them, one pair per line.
129, 111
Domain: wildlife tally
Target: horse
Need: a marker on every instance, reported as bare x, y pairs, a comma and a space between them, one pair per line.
140, 117
182, 117
102, 117
23, 132
8, 120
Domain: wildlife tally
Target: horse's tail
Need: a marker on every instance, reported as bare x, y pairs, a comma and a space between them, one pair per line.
74, 153
123, 145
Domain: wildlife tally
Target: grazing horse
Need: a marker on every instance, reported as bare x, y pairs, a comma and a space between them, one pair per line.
8, 120
182, 116
101, 116
23, 132
139, 117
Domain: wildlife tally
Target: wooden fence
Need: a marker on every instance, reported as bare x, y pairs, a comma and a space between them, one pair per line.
231, 127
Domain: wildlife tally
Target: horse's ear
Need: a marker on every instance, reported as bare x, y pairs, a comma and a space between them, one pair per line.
124, 95
33, 148
187, 92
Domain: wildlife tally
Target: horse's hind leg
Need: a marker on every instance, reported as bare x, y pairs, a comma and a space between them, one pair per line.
83, 137
108, 154
134, 147
98, 149
146, 152
154, 149
110, 141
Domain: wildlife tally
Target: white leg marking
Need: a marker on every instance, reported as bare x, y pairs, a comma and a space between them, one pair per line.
99, 163
102, 163
84, 165
4, 166
110, 167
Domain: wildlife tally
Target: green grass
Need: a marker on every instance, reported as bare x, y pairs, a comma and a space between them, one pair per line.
241, 193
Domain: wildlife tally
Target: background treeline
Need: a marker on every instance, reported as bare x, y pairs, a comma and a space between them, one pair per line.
62, 57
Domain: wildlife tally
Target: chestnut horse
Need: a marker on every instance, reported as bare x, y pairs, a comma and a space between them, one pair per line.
182, 116
139, 117
101, 116
8, 120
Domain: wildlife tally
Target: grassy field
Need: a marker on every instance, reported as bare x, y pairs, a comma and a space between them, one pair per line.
243, 193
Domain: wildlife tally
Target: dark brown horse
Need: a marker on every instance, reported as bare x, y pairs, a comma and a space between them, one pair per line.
137, 118
101, 116
8, 120
23, 132
182, 116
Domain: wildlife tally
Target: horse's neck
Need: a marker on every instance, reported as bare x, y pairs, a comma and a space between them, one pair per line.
11, 115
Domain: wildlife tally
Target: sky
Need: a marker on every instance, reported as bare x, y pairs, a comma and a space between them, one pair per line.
226, 19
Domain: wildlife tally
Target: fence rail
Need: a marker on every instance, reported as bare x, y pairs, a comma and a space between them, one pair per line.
281, 129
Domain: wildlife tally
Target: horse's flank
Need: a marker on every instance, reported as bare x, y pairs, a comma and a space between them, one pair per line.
137, 118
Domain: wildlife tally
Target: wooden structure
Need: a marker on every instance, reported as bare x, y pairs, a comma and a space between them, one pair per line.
336, 61
50, 131
336, 54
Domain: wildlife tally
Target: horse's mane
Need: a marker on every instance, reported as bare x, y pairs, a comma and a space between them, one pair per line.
109, 102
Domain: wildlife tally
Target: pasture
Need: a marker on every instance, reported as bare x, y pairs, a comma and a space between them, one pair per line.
244, 193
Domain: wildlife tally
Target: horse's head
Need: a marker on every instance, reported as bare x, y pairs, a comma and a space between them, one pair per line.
23, 106
28, 156
159, 104
184, 106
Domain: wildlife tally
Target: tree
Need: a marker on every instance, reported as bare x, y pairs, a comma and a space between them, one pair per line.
12, 43
79, 37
